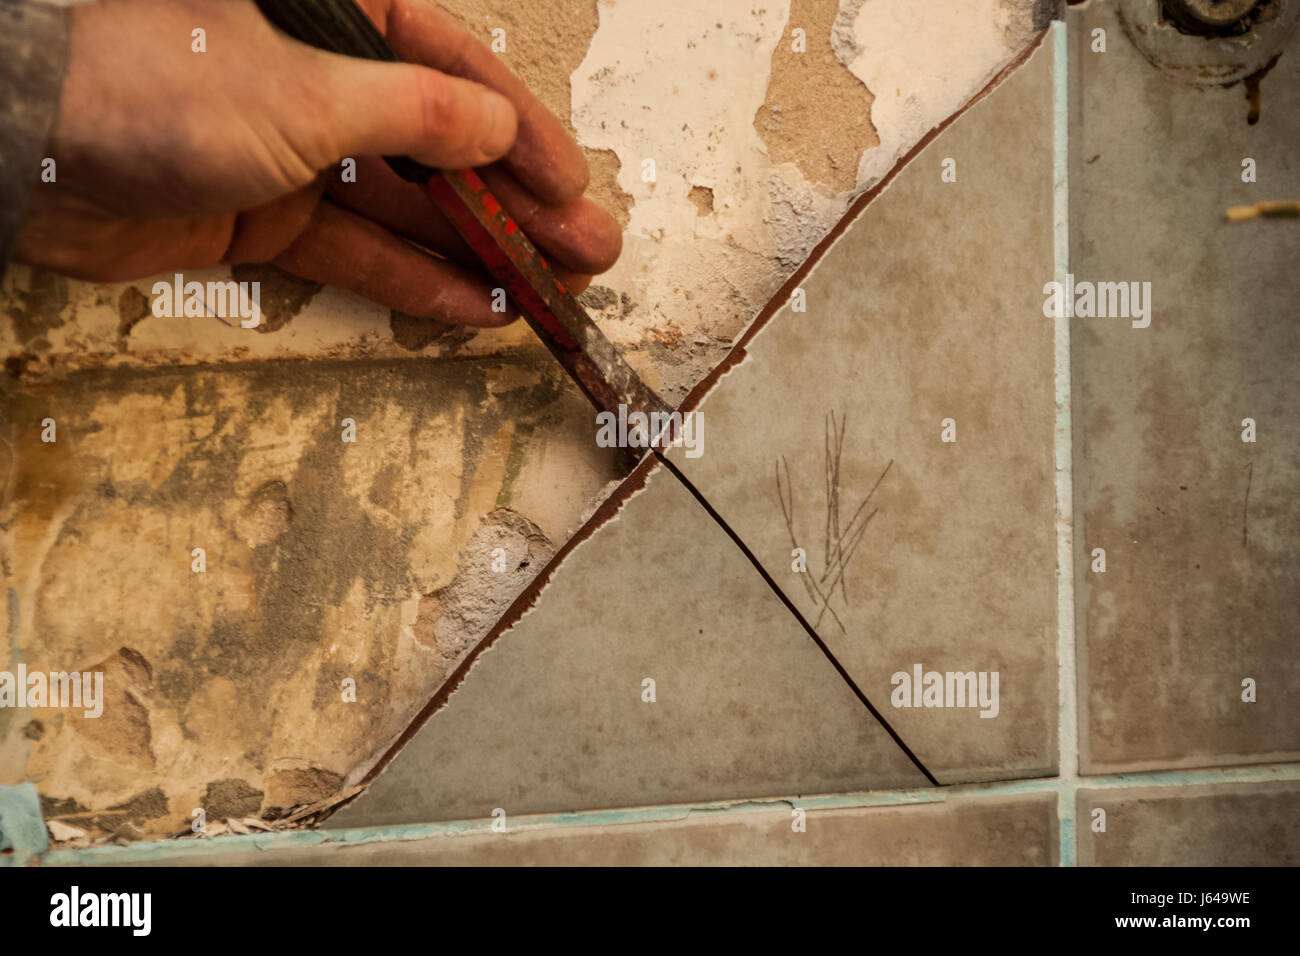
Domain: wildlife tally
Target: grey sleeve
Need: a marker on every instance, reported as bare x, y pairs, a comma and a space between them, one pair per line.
33, 57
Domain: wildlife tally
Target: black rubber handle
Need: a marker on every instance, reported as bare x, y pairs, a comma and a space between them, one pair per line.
340, 26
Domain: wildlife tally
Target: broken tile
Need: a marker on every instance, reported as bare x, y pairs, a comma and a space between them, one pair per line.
1220, 825
922, 322
1200, 530
63, 832
556, 716
964, 831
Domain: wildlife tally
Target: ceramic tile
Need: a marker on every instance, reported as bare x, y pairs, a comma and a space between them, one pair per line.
1200, 529
552, 716
977, 831
923, 322
1228, 825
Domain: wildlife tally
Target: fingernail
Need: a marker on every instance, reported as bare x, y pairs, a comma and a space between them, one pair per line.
498, 125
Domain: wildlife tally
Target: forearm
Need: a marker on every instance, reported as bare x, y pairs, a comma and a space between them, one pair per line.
33, 58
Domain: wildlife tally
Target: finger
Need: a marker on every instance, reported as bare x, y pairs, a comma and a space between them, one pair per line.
263, 232
579, 237
576, 284
123, 249
343, 249
401, 109
382, 196
544, 157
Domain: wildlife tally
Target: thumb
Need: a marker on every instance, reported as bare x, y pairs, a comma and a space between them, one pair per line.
401, 109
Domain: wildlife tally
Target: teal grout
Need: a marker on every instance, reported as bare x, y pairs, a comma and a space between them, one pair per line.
156, 851
1263, 773
22, 828
1069, 845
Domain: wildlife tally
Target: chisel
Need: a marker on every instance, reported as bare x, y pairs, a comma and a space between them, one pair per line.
340, 26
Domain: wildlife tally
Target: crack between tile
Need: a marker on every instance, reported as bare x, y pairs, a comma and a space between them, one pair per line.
803, 622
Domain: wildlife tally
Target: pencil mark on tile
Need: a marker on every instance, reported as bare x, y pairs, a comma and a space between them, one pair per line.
839, 542
790, 606
1245, 508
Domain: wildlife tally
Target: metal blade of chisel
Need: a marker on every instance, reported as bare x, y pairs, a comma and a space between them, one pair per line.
562, 324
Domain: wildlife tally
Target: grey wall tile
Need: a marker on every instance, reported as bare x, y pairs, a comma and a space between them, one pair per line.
927, 308
971, 831
551, 717
1201, 531
1227, 825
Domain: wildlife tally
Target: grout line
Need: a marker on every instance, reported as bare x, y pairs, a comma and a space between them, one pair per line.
789, 605
1067, 662
1065, 824
158, 850
1203, 776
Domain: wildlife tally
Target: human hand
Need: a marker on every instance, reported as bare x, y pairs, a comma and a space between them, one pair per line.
168, 159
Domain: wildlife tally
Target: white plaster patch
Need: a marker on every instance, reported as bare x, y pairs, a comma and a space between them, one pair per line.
683, 91
923, 62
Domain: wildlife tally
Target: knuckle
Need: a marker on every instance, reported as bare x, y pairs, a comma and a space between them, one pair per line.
441, 110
